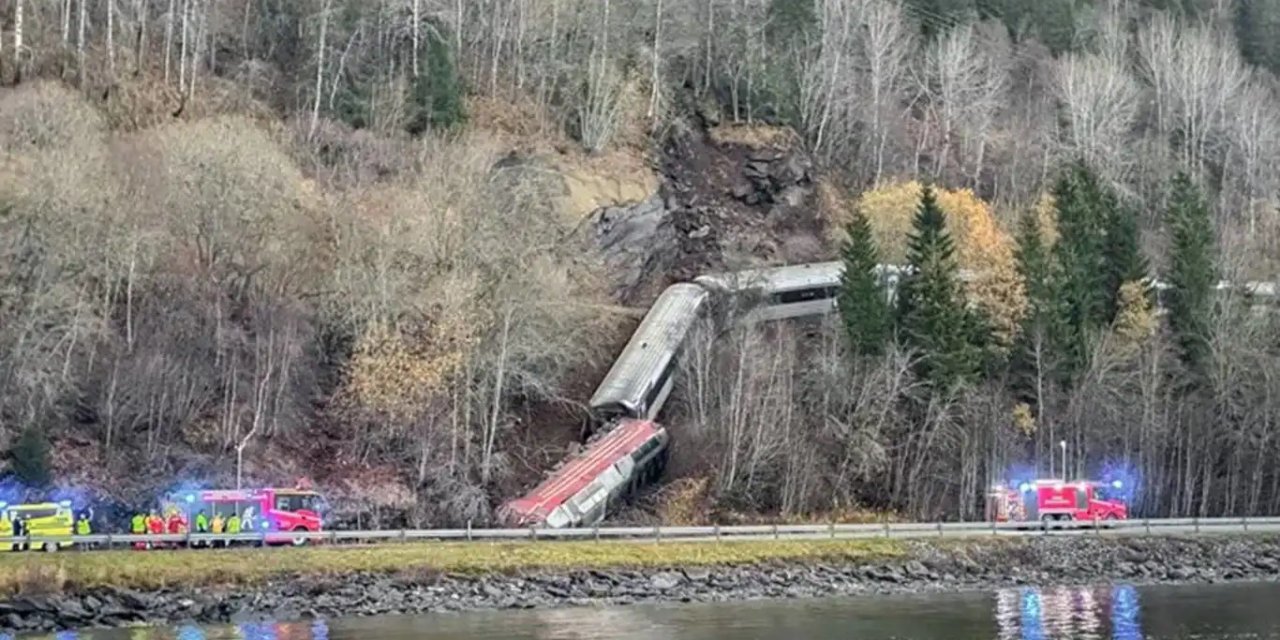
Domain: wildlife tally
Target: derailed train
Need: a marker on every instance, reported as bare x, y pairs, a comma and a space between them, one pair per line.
633, 449
628, 400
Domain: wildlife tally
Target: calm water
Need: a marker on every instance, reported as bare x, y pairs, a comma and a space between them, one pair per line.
1230, 612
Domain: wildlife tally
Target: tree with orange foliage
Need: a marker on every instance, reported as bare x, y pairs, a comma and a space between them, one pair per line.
984, 251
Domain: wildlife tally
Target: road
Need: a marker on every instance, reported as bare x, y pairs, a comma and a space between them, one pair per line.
1162, 527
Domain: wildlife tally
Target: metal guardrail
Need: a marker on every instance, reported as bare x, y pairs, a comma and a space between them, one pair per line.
909, 530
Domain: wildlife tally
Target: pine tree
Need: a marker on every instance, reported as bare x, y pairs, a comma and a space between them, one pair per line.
437, 92
1191, 271
932, 314
863, 306
29, 458
1122, 253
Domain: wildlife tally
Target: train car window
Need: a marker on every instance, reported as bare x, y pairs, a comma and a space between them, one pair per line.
803, 295
644, 450
656, 389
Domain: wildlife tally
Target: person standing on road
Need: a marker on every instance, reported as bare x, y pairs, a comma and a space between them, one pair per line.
202, 525
138, 527
233, 526
84, 528
217, 528
6, 527
155, 526
20, 531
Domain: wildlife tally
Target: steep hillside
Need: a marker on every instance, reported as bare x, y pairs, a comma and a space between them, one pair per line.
393, 245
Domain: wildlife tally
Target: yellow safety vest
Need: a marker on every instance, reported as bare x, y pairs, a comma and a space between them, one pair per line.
82, 527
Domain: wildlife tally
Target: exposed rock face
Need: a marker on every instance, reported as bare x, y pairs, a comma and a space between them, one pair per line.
775, 177
926, 567
636, 241
719, 207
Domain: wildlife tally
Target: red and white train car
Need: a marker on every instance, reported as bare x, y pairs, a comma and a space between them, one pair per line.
579, 493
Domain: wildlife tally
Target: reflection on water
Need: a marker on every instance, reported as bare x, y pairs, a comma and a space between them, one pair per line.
311, 630
1083, 613
1219, 612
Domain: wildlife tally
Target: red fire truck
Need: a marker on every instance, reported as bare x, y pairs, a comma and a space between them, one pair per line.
275, 512
1050, 500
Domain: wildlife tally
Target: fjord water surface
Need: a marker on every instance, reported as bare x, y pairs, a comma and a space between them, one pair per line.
1206, 612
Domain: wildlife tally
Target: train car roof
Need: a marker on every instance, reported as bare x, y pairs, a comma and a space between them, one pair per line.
799, 276
573, 477
660, 332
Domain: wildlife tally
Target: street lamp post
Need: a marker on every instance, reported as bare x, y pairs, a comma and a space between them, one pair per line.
1063, 445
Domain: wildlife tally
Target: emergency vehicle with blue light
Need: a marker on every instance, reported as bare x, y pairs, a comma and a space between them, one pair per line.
1057, 500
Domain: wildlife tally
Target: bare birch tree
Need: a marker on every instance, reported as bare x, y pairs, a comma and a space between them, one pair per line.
17, 34
1099, 101
887, 45
321, 45
1195, 72
111, 37
963, 85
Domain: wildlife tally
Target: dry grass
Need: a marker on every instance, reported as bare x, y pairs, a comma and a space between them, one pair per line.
521, 124
755, 135
27, 573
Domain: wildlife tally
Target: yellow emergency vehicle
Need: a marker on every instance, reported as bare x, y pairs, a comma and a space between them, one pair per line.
45, 519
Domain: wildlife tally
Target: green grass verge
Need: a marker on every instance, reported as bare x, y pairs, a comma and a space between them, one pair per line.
35, 572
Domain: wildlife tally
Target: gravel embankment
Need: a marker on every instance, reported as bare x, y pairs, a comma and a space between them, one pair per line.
927, 566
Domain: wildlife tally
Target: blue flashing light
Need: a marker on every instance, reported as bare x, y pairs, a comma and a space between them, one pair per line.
1117, 484
1024, 487
191, 497
265, 525
65, 503
3, 505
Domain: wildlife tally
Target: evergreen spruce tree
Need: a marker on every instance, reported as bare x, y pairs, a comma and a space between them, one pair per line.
1191, 272
29, 458
437, 91
1080, 254
863, 306
932, 314
1122, 253
1035, 265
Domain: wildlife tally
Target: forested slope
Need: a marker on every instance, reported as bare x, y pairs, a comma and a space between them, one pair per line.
359, 240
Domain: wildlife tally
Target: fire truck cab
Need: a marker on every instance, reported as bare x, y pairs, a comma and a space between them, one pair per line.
1050, 500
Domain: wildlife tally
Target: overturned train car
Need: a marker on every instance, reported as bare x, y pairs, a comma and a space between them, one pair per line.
634, 448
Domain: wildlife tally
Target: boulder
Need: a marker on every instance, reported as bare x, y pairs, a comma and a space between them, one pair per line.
665, 581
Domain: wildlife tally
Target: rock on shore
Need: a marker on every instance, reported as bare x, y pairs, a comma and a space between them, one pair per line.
926, 567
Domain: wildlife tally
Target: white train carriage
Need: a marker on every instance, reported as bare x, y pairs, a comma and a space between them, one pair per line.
780, 292
790, 292
1255, 293
642, 377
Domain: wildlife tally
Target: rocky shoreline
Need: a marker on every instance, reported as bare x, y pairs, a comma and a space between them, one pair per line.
926, 566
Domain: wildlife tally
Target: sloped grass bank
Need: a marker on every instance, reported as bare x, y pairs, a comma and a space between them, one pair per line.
163, 569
